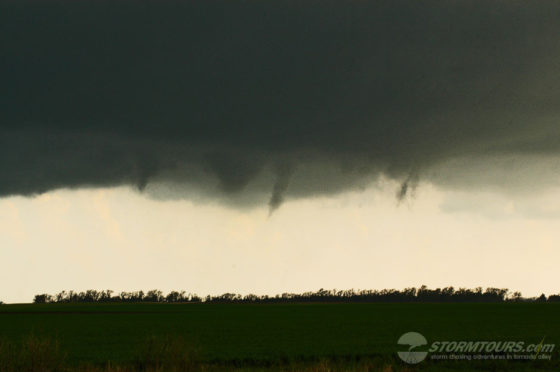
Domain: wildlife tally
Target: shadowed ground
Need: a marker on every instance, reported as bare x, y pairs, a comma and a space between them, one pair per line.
261, 335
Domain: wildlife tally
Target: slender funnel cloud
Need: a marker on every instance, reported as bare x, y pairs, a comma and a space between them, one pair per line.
213, 97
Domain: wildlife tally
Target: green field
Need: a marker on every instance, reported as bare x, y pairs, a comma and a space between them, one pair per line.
263, 334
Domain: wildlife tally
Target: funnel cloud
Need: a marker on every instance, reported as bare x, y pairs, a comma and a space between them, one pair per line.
262, 101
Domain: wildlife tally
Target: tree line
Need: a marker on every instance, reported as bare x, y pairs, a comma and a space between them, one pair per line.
421, 294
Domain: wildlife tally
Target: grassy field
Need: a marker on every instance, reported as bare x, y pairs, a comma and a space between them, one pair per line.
249, 335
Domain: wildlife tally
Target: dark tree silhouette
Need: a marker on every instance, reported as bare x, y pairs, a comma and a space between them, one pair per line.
422, 294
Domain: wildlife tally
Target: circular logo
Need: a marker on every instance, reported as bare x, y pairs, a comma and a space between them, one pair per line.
412, 340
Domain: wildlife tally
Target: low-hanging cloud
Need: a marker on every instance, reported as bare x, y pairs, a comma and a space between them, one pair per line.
245, 100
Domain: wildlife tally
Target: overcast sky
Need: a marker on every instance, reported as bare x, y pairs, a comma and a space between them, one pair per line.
269, 146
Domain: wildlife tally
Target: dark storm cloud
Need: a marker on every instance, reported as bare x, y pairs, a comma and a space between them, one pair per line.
230, 98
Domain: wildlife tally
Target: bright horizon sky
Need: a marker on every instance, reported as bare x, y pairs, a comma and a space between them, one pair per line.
119, 239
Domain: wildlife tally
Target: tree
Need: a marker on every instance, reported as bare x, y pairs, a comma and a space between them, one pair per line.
42, 299
516, 296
